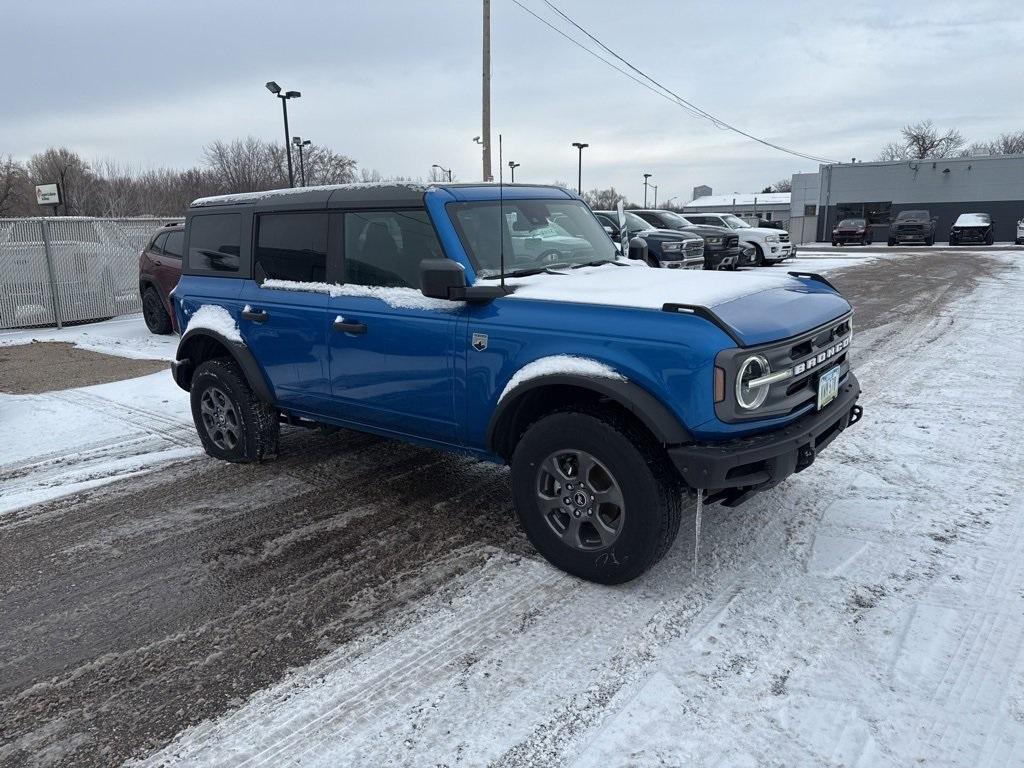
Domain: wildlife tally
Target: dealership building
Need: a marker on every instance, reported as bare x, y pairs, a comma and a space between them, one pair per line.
767, 206
877, 191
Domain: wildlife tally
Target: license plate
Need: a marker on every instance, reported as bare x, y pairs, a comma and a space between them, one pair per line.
828, 387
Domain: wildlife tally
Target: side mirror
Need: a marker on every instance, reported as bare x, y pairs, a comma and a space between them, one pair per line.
638, 249
609, 230
446, 279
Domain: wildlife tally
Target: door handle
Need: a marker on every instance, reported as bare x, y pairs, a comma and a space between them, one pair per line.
256, 316
158, 263
341, 325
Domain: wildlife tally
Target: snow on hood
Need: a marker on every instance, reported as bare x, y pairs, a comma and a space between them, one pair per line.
758, 308
972, 220
644, 287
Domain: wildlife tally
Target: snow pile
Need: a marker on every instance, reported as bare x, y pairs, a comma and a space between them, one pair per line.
555, 364
973, 220
610, 285
218, 319
402, 298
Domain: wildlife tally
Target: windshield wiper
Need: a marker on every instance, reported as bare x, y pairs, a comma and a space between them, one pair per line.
598, 263
527, 271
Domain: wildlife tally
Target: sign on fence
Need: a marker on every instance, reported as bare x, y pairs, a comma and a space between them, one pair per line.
48, 194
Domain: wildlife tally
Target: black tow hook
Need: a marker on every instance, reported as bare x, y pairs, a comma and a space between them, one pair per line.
855, 414
804, 457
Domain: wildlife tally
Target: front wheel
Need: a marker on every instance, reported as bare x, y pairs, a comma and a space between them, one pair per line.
891, 242
233, 424
595, 496
990, 239
758, 255
929, 241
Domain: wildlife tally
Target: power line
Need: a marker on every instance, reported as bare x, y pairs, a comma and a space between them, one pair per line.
690, 108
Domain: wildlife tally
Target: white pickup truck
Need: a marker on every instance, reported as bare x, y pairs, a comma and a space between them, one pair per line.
770, 245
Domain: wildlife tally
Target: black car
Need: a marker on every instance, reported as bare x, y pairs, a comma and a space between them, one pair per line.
665, 247
852, 231
721, 245
972, 228
913, 227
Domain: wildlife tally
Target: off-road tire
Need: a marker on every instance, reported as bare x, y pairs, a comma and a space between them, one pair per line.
929, 240
891, 242
758, 256
651, 493
952, 241
154, 313
256, 422
990, 239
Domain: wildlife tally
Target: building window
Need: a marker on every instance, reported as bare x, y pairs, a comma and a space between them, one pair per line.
874, 213
810, 210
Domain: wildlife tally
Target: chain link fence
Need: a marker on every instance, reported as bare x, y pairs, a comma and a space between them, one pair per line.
68, 269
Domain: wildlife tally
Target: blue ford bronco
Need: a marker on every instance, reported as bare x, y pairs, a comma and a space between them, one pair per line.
499, 322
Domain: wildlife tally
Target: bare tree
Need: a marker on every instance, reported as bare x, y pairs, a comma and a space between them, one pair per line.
604, 199
922, 140
62, 165
1005, 144
14, 187
325, 166
247, 165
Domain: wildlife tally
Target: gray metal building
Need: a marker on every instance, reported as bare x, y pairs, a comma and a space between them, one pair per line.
878, 191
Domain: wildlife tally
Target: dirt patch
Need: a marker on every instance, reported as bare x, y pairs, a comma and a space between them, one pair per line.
43, 366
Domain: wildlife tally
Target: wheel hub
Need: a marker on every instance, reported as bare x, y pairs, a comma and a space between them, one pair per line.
580, 500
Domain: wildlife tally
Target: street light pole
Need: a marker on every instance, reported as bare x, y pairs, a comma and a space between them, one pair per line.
512, 167
646, 177
298, 142
486, 106
446, 171
655, 188
579, 167
275, 89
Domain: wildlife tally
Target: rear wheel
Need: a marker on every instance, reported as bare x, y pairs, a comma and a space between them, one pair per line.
156, 317
233, 424
892, 242
595, 496
990, 239
930, 240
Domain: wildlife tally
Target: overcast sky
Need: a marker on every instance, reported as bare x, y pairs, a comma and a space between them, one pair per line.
396, 83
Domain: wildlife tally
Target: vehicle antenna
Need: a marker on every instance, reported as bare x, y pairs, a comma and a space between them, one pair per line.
501, 215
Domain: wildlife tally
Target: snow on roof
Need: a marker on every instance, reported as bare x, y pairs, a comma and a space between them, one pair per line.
246, 197
744, 199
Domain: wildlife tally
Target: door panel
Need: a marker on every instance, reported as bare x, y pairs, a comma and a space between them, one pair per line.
399, 373
289, 342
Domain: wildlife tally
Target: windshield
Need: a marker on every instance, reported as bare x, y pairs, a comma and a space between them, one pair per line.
635, 224
674, 218
537, 234
735, 222
912, 215
852, 223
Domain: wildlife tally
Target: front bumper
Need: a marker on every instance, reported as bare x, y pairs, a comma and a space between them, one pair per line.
726, 257
849, 237
734, 470
777, 251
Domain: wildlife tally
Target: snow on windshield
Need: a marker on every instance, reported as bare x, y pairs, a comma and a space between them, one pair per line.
973, 220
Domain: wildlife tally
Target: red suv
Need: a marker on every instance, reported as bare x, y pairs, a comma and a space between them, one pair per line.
159, 270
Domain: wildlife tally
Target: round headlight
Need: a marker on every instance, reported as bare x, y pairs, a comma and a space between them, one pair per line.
754, 367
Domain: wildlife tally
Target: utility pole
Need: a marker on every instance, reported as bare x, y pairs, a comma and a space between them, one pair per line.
486, 129
579, 168
655, 187
646, 177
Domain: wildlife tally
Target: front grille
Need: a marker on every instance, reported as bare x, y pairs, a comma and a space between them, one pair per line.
910, 228
783, 237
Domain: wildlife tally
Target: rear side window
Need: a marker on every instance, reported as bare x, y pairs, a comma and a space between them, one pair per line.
158, 243
291, 246
215, 243
175, 243
385, 248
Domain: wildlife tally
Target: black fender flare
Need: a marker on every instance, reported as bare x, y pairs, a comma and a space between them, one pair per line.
655, 415
198, 340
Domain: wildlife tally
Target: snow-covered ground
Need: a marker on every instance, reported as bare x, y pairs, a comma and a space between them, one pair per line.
66, 441
868, 612
125, 336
